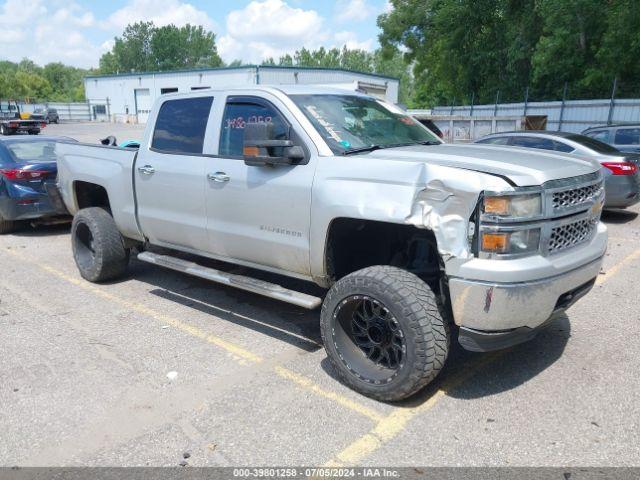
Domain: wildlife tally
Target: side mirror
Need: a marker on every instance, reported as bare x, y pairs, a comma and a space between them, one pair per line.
261, 148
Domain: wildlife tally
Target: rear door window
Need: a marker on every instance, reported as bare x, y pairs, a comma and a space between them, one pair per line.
181, 125
532, 142
627, 136
237, 114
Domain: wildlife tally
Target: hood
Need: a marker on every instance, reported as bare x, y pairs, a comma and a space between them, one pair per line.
522, 166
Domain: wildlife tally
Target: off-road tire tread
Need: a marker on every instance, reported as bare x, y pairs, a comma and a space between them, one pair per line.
418, 305
112, 258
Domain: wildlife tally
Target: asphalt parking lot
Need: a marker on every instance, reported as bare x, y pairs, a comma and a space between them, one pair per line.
141, 371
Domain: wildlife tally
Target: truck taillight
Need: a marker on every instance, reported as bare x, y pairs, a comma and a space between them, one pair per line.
621, 168
43, 124
19, 174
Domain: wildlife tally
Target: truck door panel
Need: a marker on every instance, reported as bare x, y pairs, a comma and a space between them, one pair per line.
170, 177
259, 214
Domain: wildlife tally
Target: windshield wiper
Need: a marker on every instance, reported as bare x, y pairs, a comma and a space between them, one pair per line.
371, 148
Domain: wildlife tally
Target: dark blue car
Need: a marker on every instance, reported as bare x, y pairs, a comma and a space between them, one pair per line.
27, 172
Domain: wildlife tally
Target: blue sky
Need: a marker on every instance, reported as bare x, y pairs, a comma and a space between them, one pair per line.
77, 32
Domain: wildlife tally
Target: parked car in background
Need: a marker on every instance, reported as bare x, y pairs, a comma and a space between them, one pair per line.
625, 138
622, 182
27, 174
49, 115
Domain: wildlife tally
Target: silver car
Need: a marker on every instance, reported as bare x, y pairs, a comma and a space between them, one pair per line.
625, 138
622, 184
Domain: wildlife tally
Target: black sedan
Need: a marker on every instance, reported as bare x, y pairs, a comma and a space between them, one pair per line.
27, 172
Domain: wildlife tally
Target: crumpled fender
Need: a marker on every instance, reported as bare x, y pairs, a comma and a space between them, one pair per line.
435, 197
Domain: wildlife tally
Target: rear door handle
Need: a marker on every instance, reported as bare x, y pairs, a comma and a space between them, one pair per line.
219, 177
147, 170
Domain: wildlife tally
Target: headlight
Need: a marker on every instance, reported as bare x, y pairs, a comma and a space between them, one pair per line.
515, 242
523, 206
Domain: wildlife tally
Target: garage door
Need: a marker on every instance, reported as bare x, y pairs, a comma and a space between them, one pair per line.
143, 104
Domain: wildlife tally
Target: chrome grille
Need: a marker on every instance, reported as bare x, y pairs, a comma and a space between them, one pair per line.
575, 196
572, 234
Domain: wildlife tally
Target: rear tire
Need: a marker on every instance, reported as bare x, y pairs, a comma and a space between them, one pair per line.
7, 226
98, 246
4, 130
384, 333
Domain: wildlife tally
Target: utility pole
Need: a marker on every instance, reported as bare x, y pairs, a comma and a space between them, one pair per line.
564, 98
612, 103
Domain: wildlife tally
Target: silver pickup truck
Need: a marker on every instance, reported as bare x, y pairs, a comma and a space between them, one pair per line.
414, 242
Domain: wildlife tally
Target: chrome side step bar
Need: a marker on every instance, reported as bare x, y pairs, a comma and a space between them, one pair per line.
242, 282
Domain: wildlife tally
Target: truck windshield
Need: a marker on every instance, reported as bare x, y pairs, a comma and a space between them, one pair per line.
351, 123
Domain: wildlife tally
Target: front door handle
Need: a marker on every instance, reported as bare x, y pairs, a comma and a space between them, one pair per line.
219, 177
147, 170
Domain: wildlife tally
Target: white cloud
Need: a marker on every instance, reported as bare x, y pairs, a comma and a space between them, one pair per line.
353, 11
350, 39
47, 31
160, 12
270, 28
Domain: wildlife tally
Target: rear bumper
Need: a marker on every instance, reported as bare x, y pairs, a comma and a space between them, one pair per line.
622, 191
11, 209
25, 127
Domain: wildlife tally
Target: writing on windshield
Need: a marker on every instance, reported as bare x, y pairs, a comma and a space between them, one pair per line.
349, 122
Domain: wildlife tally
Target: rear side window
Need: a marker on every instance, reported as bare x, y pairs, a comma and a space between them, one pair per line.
181, 125
601, 135
627, 136
495, 140
237, 115
563, 147
532, 142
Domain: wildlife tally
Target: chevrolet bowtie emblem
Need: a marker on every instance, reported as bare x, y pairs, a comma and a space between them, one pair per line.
596, 208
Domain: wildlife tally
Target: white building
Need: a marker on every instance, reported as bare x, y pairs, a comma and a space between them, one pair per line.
129, 97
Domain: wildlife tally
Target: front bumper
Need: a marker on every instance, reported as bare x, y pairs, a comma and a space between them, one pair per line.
486, 341
494, 306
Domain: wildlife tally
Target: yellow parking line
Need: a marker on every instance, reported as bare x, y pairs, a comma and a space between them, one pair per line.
240, 353
390, 426
344, 401
232, 348
616, 268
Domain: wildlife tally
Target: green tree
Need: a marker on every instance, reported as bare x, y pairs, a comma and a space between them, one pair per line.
132, 51
463, 47
143, 47
571, 38
619, 51
189, 46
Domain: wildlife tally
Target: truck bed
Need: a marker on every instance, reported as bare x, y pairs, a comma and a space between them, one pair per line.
109, 167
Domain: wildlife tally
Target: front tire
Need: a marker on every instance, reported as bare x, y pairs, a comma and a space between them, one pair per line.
384, 333
98, 246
